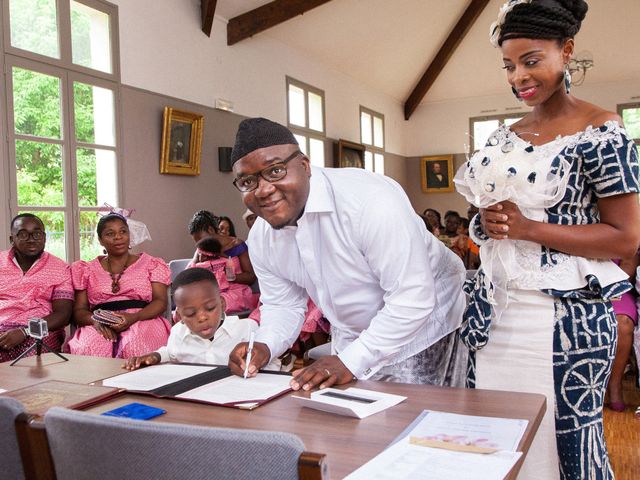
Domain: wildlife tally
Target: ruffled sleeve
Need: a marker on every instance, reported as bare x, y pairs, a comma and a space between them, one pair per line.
80, 275
159, 271
610, 161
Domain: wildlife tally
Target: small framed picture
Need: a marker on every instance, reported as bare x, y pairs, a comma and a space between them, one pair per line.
181, 142
349, 154
437, 173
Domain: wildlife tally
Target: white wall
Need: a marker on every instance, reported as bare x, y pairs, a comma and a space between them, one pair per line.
164, 50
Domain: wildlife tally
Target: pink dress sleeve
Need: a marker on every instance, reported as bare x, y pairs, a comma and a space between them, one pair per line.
64, 289
80, 275
159, 271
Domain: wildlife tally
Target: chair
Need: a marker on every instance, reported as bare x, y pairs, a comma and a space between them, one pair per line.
10, 408
122, 448
175, 266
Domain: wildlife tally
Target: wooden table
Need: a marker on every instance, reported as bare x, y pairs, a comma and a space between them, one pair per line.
348, 442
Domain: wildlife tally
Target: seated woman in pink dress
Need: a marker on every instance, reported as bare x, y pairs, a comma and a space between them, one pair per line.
627, 317
238, 297
134, 287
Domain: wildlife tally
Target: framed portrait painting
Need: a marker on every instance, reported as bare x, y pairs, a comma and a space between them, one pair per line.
181, 142
437, 173
349, 154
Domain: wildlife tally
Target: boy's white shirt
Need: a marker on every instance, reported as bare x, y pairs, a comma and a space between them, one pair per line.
186, 347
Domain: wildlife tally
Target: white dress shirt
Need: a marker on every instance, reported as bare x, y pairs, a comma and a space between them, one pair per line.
186, 347
387, 286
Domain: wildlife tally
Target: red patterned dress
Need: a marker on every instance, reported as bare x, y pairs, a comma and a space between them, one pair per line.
135, 284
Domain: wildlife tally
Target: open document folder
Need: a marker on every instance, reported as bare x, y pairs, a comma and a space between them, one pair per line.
215, 385
442, 446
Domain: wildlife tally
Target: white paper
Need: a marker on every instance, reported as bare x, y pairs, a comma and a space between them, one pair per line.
361, 404
488, 432
406, 461
236, 389
150, 378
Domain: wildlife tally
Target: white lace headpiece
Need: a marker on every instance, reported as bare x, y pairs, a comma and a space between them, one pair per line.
494, 29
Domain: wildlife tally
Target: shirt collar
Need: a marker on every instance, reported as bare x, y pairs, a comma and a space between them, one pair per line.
12, 256
320, 198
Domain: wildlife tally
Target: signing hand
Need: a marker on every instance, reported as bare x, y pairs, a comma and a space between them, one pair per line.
326, 371
12, 338
260, 356
142, 361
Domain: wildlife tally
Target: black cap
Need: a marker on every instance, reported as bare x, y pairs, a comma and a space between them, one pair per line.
256, 133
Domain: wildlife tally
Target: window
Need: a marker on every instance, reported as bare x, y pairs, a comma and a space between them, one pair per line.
372, 137
481, 127
63, 88
305, 118
630, 113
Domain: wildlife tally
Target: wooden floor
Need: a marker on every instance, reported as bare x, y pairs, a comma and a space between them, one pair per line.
622, 431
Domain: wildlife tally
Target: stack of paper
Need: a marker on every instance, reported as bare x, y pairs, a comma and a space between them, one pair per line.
440, 445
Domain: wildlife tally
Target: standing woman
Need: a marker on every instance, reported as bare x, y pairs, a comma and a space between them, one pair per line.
539, 316
132, 286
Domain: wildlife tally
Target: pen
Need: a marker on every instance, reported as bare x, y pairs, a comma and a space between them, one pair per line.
252, 336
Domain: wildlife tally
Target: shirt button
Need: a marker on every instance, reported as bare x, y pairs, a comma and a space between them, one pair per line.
367, 371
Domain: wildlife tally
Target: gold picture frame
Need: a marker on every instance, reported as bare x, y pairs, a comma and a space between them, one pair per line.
437, 174
349, 154
181, 142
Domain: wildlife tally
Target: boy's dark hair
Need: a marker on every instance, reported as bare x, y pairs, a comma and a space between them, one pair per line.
210, 245
544, 19
193, 275
201, 221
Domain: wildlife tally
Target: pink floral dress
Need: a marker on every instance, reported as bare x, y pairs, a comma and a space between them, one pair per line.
135, 284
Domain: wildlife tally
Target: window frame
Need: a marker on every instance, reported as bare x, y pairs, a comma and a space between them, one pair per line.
371, 148
623, 106
68, 73
306, 132
484, 118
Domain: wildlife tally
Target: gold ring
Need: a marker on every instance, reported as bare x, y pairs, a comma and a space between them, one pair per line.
328, 372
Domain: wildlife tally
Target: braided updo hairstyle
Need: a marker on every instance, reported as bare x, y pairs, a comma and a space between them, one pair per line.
201, 221
544, 19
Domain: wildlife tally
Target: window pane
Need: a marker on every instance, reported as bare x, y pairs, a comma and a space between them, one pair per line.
296, 106
481, 132
39, 174
34, 26
368, 161
631, 118
90, 37
379, 163
97, 178
365, 128
315, 112
94, 114
316, 149
510, 121
36, 103
378, 132
89, 246
302, 142
54, 227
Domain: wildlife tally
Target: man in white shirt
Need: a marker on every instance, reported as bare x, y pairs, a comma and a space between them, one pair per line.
350, 240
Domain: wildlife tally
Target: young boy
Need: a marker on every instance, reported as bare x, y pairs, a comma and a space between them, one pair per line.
202, 334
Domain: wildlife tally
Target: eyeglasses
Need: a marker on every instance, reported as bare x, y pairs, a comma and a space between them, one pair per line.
23, 235
271, 174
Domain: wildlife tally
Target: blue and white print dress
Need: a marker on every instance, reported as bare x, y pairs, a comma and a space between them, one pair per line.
539, 320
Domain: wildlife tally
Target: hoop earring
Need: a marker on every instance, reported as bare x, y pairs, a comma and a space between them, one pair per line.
516, 94
567, 79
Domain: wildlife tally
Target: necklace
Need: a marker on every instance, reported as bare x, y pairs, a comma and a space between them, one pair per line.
115, 277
